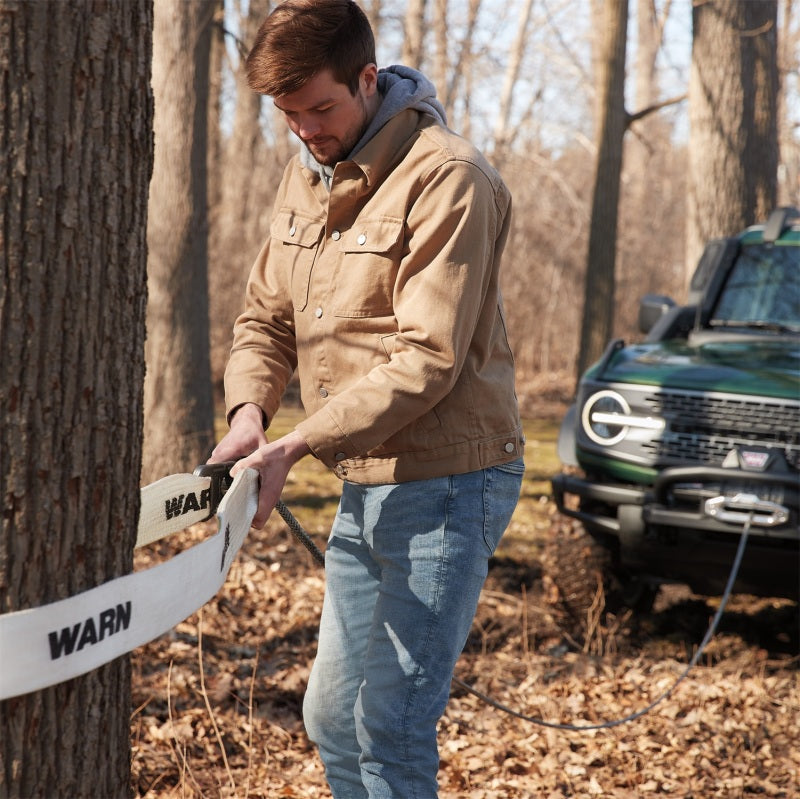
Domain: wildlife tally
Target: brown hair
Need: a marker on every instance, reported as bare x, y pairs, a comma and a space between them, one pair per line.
300, 38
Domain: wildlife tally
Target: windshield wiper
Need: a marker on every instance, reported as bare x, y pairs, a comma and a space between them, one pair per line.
775, 327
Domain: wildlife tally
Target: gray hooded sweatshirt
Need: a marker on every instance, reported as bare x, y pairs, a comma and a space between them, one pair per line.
401, 88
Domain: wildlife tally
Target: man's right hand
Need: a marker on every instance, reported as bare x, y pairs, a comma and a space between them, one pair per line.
245, 436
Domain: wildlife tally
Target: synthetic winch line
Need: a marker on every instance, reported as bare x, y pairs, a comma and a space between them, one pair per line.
52, 643
319, 557
712, 628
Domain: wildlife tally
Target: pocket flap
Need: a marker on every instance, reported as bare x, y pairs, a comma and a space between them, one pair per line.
290, 228
372, 235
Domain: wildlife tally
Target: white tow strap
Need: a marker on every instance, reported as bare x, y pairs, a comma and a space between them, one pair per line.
172, 504
52, 643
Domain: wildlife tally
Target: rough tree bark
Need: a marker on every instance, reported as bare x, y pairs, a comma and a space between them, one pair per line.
598, 306
75, 159
733, 145
179, 410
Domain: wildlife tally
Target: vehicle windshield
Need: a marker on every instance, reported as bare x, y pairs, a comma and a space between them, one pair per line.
762, 290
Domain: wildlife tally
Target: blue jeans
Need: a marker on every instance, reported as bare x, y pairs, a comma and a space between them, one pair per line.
404, 567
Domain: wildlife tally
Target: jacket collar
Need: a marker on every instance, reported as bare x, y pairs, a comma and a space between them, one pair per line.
382, 152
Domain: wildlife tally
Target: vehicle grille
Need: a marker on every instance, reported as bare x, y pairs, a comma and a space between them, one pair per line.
703, 428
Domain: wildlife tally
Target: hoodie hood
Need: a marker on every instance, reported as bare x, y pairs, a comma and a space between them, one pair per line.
401, 88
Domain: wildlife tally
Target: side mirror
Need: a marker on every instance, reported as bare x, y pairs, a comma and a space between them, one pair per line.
651, 308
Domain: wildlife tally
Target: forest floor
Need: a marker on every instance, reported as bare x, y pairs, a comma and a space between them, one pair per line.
217, 701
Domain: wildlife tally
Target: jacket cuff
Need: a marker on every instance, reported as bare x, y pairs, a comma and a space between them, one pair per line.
326, 440
265, 420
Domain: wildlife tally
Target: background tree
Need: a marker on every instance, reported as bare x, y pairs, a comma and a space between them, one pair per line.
644, 142
250, 168
598, 305
216, 60
733, 88
461, 69
374, 12
652, 196
414, 34
179, 411
76, 156
789, 76
502, 134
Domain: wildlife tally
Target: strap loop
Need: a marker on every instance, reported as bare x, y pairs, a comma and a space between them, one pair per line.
49, 644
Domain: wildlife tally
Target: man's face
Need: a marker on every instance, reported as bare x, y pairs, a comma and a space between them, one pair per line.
326, 117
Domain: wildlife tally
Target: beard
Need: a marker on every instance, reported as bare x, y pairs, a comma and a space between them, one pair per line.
329, 151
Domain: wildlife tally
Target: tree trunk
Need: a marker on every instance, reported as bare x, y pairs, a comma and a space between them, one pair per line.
788, 142
463, 62
649, 28
441, 60
179, 412
76, 155
647, 189
598, 307
414, 34
241, 219
732, 117
597, 16
374, 12
216, 61
502, 130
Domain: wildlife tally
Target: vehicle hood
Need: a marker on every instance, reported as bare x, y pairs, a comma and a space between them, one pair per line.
753, 366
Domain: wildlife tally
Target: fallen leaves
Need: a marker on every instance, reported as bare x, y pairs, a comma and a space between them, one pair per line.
728, 731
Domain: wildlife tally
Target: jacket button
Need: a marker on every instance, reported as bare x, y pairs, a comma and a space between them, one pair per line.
323, 392
362, 239
318, 313
509, 447
292, 230
340, 456
336, 235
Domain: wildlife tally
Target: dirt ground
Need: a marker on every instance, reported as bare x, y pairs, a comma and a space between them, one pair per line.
217, 701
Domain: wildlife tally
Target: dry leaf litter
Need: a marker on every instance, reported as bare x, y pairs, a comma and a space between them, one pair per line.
217, 701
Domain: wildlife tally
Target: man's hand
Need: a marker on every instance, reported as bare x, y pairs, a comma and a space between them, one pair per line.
246, 440
245, 436
273, 462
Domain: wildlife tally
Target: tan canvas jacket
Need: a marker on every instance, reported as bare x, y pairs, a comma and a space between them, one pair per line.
384, 293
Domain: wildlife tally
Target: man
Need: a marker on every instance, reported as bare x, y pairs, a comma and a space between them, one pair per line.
379, 283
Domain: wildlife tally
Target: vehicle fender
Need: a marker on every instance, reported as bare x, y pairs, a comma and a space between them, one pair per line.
566, 437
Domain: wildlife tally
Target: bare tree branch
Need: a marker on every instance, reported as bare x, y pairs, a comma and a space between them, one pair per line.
651, 109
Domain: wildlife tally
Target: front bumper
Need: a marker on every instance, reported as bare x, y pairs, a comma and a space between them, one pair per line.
686, 527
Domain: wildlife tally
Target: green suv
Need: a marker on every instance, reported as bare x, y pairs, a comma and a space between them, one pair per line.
681, 439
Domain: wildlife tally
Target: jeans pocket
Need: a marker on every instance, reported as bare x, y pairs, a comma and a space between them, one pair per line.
502, 489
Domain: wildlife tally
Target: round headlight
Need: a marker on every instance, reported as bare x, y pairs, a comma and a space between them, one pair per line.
605, 417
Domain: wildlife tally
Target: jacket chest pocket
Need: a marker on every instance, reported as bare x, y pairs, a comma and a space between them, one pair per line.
296, 239
370, 254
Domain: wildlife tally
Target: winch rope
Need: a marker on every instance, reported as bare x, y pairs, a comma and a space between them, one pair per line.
712, 628
319, 557
300, 534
